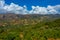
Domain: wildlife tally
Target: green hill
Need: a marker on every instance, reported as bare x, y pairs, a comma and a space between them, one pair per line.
36, 30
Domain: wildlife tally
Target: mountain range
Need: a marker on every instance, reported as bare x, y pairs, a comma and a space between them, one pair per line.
10, 16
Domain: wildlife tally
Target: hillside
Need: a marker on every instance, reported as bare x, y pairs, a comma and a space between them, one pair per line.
29, 27
11, 16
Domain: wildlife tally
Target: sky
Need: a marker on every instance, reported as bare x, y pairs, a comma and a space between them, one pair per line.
30, 6
30, 3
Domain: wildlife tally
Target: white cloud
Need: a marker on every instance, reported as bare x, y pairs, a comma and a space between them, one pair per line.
2, 3
52, 10
14, 8
38, 10
45, 10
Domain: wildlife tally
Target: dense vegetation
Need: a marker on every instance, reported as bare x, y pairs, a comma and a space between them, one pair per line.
30, 30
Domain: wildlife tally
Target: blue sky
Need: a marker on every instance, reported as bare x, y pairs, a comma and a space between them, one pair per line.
30, 6
30, 3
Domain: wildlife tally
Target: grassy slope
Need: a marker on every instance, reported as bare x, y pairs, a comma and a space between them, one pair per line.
39, 31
